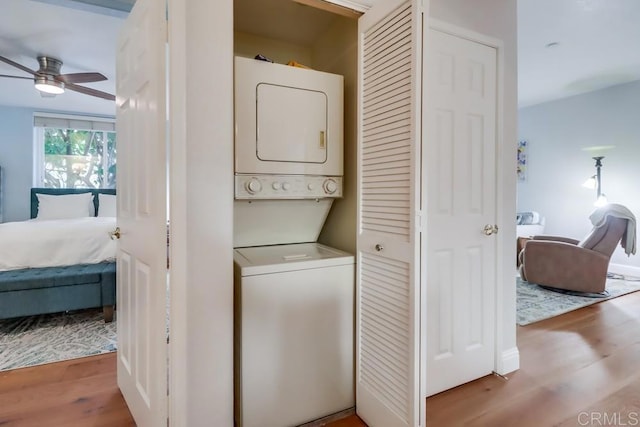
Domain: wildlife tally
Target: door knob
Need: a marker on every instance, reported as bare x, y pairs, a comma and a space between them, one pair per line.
489, 229
115, 234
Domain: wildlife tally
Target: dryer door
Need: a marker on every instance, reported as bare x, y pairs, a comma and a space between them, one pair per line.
289, 120
292, 124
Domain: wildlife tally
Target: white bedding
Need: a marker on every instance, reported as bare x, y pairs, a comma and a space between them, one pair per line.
32, 244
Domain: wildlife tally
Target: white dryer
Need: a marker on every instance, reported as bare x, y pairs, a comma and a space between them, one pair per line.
289, 120
293, 334
288, 152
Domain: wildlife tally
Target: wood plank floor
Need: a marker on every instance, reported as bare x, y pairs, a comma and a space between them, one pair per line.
582, 368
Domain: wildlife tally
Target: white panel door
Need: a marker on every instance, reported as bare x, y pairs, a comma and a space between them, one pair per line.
460, 111
388, 376
142, 215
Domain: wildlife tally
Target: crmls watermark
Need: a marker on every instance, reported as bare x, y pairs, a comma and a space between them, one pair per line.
596, 418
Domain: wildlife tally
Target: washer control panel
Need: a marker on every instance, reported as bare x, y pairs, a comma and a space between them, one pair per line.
287, 186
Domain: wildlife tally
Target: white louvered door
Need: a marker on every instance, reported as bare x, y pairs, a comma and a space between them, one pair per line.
388, 378
142, 214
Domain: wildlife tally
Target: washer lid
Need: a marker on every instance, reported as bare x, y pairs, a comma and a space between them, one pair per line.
281, 258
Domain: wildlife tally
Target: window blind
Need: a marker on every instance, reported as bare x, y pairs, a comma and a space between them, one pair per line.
74, 123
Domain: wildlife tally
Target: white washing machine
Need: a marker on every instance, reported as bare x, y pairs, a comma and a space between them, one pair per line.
294, 334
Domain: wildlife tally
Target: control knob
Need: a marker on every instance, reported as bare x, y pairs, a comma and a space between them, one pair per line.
330, 186
253, 186
286, 186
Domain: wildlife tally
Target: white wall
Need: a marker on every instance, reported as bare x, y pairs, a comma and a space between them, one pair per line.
557, 132
337, 52
201, 179
16, 159
497, 18
249, 45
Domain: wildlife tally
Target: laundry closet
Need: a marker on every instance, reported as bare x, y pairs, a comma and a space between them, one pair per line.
413, 219
294, 286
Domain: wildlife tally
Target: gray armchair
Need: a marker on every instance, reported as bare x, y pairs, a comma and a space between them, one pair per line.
569, 264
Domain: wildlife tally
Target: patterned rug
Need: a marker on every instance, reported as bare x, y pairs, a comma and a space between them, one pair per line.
535, 303
34, 340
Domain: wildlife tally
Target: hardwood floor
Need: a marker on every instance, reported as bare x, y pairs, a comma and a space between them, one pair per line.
578, 369
572, 367
75, 393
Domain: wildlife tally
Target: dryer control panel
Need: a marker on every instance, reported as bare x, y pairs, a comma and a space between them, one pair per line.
287, 186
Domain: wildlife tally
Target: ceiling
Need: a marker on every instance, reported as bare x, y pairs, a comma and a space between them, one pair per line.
79, 34
304, 23
597, 44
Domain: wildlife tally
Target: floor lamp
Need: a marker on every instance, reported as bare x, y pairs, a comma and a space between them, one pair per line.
596, 182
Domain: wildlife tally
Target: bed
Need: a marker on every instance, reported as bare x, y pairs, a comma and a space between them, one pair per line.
75, 266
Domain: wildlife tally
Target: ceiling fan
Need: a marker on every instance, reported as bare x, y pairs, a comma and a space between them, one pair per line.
48, 79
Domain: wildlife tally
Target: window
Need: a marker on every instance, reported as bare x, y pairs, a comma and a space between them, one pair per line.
74, 152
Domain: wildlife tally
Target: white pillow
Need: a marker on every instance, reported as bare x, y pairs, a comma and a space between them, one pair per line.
65, 206
107, 205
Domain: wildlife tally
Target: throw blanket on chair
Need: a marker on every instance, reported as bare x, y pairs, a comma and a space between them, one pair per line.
599, 216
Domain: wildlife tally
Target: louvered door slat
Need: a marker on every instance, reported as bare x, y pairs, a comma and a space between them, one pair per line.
401, 73
379, 79
394, 22
387, 57
376, 122
396, 98
392, 151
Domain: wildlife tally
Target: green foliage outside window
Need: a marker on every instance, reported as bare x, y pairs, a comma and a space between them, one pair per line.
79, 158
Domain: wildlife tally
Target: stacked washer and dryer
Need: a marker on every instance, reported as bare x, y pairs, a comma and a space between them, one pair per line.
294, 297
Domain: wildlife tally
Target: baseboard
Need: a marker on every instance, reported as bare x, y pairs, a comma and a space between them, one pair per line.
510, 361
330, 418
625, 270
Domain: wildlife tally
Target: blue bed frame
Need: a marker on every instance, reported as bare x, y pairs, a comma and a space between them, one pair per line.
32, 291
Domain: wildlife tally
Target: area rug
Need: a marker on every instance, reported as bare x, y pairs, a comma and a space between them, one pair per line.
34, 340
535, 303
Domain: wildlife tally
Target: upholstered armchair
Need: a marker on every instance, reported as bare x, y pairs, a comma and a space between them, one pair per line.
581, 266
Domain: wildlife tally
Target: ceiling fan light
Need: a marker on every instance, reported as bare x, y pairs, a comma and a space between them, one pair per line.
49, 85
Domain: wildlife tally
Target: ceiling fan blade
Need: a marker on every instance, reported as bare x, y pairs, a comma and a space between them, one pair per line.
15, 64
81, 77
89, 91
16, 77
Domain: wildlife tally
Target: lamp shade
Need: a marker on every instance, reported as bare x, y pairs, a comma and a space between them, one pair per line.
590, 183
48, 84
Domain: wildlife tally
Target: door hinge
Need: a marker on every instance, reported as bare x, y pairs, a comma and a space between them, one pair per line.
419, 221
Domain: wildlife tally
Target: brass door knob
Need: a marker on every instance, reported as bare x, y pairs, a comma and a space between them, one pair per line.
489, 229
115, 234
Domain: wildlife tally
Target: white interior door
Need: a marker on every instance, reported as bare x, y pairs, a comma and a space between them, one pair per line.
388, 374
142, 214
460, 114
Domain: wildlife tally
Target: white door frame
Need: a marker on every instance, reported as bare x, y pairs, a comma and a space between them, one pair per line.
201, 209
500, 364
